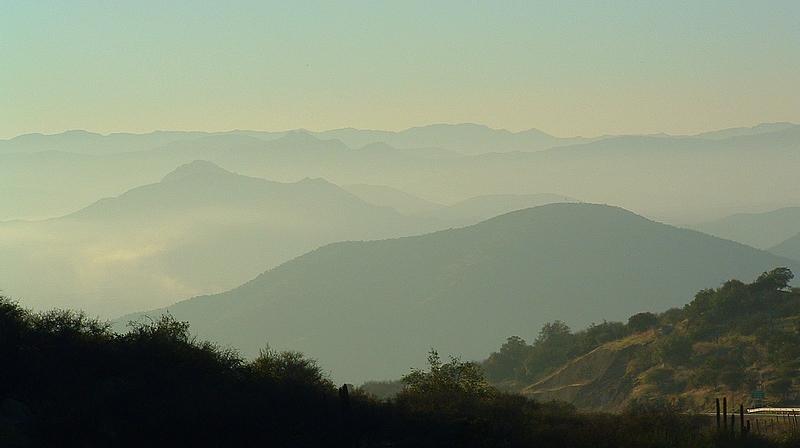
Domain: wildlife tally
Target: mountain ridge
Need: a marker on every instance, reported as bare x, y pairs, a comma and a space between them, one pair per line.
474, 278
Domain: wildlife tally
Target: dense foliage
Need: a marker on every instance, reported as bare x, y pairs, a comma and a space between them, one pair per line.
733, 339
68, 381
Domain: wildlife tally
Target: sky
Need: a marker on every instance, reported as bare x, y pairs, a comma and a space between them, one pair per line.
565, 67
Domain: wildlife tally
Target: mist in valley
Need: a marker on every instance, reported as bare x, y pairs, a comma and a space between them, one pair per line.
439, 224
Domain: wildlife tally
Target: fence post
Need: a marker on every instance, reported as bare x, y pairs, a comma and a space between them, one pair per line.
346, 417
741, 419
725, 413
718, 422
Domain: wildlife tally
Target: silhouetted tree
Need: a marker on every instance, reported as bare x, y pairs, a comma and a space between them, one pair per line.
775, 279
642, 321
453, 377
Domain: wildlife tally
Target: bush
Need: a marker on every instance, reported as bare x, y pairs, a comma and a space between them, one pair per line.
674, 349
642, 322
289, 367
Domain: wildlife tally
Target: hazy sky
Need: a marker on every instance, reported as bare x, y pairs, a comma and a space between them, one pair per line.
567, 68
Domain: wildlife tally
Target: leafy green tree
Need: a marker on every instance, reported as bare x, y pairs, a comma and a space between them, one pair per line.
675, 349
642, 321
508, 363
776, 279
596, 335
447, 378
672, 316
289, 367
554, 333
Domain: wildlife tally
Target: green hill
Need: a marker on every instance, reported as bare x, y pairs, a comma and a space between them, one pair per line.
728, 341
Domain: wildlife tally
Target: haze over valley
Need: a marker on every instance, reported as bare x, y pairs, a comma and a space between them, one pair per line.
193, 213
400, 224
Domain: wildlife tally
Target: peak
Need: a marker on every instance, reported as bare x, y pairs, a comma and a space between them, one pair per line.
304, 140
573, 210
298, 135
78, 133
315, 181
475, 126
534, 132
198, 168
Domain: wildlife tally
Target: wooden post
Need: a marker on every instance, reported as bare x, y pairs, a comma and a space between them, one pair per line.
741, 419
725, 413
718, 422
346, 425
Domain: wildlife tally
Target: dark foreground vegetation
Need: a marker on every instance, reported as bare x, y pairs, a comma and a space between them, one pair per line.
68, 381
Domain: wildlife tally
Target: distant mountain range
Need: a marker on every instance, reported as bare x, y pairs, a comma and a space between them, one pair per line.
476, 209
370, 310
200, 229
464, 138
462, 213
789, 248
203, 229
681, 179
761, 230
762, 128
392, 197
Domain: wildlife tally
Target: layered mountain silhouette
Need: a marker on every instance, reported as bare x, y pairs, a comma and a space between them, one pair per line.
479, 208
762, 128
391, 197
200, 229
675, 178
372, 309
789, 248
83, 142
762, 230
465, 138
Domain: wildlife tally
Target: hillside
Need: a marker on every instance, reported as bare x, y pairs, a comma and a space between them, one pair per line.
69, 381
790, 248
728, 341
761, 230
391, 197
479, 208
201, 229
367, 310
